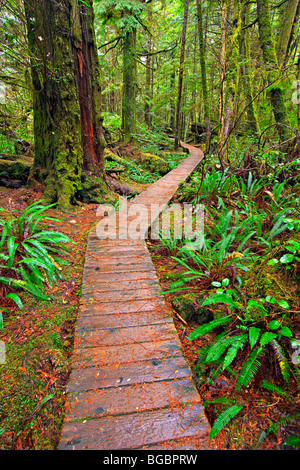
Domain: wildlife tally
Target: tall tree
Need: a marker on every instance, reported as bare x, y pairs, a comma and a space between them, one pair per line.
285, 33
129, 84
181, 70
276, 88
66, 96
206, 103
246, 70
224, 12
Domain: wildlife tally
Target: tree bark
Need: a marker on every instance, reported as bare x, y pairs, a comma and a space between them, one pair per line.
129, 84
66, 102
180, 83
206, 103
253, 123
286, 31
276, 89
222, 80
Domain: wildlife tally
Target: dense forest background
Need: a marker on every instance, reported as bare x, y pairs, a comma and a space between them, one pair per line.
95, 100
163, 69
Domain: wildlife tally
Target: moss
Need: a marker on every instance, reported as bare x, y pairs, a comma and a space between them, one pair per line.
188, 306
112, 157
92, 190
154, 163
15, 170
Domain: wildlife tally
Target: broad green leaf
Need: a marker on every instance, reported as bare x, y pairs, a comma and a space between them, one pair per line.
274, 325
16, 299
287, 258
272, 262
285, 331
283, 304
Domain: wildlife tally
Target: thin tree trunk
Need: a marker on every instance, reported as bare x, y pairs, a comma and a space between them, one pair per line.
206, 103
222, 79
180, 82
253, 123
129, 84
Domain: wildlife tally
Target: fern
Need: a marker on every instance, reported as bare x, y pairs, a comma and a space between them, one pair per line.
283, 362
202, 330
224, 419
267, 338
253, 335
274, 388
233, 350
249, 368
218, 348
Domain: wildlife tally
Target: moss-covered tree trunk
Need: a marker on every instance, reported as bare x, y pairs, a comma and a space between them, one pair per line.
286, 31
129, 84
276, 88
224, 12
232, 70
206, 103
246, 71
66, 96
180, 81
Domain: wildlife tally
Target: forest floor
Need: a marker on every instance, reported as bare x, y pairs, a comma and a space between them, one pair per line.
39, 344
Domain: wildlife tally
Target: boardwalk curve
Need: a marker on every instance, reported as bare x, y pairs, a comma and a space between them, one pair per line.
130, 385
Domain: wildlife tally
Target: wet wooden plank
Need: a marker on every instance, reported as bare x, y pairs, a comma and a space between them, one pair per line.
134, 430
114, 375
127, 398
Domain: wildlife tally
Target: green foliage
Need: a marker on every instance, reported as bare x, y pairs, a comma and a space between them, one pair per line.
224, 419
30, 255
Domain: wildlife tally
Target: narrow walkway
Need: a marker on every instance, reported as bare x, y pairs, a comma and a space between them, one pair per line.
130, 386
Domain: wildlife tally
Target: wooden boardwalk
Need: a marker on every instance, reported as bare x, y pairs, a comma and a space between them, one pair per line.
130, 385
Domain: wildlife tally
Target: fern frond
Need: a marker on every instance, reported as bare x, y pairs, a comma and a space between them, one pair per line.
218, 348
231, 257
233, 350
249, 368
267, 338
202, 330
282, 360
274, 388
224, 419
253, 335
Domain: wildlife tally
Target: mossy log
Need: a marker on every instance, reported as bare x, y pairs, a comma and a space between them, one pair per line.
154, 163
15, 169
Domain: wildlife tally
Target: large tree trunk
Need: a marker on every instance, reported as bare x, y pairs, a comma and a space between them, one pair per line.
66, 96
182, 56
276, 89
88, 78
286, 31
